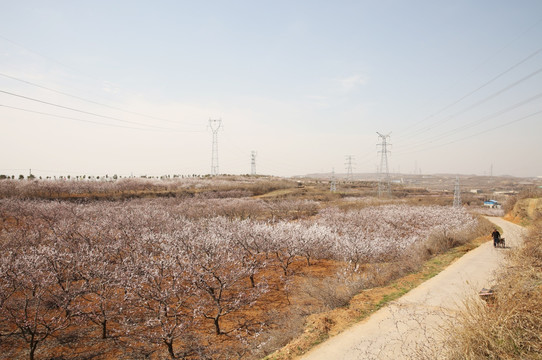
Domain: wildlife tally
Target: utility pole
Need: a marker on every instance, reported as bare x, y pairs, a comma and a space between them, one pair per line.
457, 193
333, 186
348, 163
384, 187
253, 162
215, 126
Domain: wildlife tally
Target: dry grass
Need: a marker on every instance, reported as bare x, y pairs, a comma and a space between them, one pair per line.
324, 291
336, 291
510, 325
374, 289
440, 242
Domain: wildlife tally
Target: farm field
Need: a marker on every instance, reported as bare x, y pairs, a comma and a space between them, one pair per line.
198, 269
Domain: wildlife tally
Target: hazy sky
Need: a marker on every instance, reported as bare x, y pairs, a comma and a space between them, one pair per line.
132, 86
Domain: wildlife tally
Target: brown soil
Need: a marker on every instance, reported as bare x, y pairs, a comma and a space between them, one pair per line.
321, 326
83, 340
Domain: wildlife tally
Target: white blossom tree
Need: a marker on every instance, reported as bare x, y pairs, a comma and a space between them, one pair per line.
217, 273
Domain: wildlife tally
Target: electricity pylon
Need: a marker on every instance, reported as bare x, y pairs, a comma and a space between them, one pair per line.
384, 187
215, 126
253, 162
457, 193
348, 163
333, 186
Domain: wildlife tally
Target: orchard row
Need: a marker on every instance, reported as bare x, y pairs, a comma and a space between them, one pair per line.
153, 273
226, 186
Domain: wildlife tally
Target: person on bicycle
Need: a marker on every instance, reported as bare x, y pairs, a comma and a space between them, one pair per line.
496, 237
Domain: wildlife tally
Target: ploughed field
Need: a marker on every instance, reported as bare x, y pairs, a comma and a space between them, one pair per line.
194, 277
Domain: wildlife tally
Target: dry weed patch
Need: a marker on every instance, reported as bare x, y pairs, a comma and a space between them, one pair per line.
510, 325
323, 325
212, 274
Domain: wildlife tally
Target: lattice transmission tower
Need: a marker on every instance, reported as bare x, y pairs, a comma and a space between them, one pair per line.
333, 184
253, 162
215, 126
349, 167
457, 193
384, 187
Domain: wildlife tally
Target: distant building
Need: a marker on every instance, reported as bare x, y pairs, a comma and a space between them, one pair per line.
476, 191
506, 192
493, 204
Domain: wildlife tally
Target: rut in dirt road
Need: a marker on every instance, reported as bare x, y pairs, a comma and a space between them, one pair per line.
412, 324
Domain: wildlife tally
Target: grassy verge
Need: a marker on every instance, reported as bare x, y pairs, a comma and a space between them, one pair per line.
510, 325
321, 326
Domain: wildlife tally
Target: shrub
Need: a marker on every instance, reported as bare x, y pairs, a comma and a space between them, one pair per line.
511, 326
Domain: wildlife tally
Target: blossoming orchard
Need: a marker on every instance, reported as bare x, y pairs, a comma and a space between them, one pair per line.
184, 277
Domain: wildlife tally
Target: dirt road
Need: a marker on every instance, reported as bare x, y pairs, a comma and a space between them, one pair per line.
411, 324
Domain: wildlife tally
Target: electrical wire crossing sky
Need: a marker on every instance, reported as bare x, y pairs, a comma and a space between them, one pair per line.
127, 87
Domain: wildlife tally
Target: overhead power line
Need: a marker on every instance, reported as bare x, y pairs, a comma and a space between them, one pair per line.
478, 133
37, 53
90, 101
413, 128
484, 100
474, 123
48, 58
87, 112
86, 121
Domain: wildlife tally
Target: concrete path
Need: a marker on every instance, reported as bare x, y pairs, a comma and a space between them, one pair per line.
411, 324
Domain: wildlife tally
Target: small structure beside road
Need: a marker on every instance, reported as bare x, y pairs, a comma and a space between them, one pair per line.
492, 204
